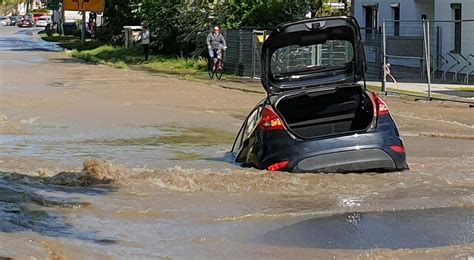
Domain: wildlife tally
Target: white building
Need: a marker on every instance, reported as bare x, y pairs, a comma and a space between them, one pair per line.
448, 38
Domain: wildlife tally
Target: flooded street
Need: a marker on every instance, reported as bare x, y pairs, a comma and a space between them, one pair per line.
97, 162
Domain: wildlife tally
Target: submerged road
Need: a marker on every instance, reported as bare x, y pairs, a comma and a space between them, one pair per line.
98, 162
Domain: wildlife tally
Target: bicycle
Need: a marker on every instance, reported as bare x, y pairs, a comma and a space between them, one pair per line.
215, 66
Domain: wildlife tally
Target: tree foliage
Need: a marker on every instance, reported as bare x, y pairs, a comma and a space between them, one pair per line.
262, 13
181, 27
119, 13
9, 6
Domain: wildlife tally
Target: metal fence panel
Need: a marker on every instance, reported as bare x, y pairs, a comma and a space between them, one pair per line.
372, 40
405, 45
238, 58
439, 52
404, 49
259, 36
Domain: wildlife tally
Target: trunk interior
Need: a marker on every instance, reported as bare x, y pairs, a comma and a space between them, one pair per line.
329, 112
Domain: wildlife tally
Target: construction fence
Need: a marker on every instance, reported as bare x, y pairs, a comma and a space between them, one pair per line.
436, 56
243, 56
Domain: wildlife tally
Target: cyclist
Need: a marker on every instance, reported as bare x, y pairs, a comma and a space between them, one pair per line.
216, 43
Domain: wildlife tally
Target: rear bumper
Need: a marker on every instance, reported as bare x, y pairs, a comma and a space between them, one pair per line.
347, 161
353, 153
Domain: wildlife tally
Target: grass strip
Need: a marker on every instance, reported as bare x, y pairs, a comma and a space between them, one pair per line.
464, 89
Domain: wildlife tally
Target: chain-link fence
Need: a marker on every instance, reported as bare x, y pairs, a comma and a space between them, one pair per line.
403, 49
436, 56
244, 52
452, 50
259, 36
430, 58
243, 56
238, 58
372, 40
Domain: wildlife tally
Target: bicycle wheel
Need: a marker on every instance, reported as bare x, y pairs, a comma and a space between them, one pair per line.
210, 68
219, 69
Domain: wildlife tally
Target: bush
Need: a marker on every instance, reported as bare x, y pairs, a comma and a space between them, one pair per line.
121, 57
40, 10
181, 27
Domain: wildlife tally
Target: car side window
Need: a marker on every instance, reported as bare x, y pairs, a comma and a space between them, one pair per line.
247, 128
251, 122
238, 141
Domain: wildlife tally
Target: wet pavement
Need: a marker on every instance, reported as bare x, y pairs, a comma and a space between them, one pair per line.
24, 40
97, 162
390, 229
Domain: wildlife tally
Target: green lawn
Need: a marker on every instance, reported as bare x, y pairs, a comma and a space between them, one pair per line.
121, 57
465, 89
70, 42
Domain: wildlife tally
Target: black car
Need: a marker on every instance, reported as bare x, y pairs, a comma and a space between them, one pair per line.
25, 22
15, 20
317, 117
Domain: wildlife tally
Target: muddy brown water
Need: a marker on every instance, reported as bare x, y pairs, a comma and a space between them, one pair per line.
162, 185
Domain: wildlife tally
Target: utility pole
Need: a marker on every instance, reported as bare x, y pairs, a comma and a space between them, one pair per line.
62, 19
28, 3
83, 30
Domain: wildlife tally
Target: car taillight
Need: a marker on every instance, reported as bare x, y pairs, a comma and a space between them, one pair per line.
271, 120
398, 148
380, 109
278, 166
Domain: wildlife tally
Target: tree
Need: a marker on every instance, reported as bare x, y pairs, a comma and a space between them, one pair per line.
161, 18
181, 27
119, 13
8, 6
319, 7
262, 13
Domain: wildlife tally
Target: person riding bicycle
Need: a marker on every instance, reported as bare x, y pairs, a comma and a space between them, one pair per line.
216, 43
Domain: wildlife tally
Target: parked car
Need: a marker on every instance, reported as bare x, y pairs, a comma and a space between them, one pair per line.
15, 20
38, 15
25, 22
43, 21
316, 116
5, 21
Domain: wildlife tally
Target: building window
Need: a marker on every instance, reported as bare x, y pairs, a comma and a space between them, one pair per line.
370, 18
396, 18
457, 15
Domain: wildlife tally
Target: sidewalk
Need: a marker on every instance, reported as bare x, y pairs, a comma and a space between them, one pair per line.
448, 91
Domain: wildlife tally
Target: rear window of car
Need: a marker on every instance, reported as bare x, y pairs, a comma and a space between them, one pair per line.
332, 54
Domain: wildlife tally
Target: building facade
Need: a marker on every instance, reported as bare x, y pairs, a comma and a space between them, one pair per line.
451, 39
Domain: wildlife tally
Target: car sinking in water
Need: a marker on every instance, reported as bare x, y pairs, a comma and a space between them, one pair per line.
317, 117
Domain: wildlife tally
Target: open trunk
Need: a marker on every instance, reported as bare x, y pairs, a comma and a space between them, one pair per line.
328, 112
